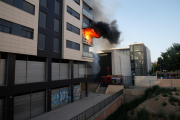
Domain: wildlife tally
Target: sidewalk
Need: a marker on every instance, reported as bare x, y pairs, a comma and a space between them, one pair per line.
71, 110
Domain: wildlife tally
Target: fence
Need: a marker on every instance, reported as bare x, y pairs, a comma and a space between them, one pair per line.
96, 108
127, 80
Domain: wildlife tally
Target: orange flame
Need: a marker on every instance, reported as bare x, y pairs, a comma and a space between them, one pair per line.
88, 33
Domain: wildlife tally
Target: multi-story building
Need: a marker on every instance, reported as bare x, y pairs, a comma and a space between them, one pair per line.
140, 58
43, 57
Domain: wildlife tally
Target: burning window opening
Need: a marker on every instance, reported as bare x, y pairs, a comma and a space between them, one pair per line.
88, 33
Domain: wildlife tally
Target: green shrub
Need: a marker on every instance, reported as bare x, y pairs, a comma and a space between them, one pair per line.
161, 114
170, 93
143, 114
172, 116
156, 99
173, 99
156, 89
132, 112
179, 103
148, 93
174, 89
164, 103
176, 93
164, 95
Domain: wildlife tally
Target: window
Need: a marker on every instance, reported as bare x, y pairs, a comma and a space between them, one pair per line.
57, 7
73, 28
41, 41
77, 1
28, 7
5, 29
56, 45
26, 34
18, 4
56, 25
72, 45
86, 7
73, 12
43, 3
1, 28
85, 48
42, 19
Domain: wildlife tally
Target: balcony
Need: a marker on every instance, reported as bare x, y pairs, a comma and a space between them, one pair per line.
90, 43
89, 3
87, 14
87, 55
85, 25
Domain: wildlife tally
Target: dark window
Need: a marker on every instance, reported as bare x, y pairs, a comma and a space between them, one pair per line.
68, 44
43, 3
18, 4
85, 48
56, 45
8, 1
85, 7
73, 12
16, 29
56, 25
27, 32
28, 7
42, 41
73, 29
77, 1
72, 45
1, 28
7, 29
85, 20
57, 7
69, 26
42, 19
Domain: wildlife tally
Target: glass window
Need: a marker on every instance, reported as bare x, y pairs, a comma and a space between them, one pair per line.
131, 48
69, 10
77, 46
73, 45
18, 4
56, 25
77, 30
28, 7
43, 3
77, 15
56, 45
7, 29
68, 44
1, 28
16, 29
69, 27
137, 48
85, 7
85, 20
8, 1
23, 33
77, 1
42, 41
28, 34
57, 7
42, 19
85, 48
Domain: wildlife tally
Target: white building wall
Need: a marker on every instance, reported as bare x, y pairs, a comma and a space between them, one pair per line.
121, 64
149, 67
17, 44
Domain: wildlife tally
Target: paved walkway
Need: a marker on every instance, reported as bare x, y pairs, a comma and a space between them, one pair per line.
71, 110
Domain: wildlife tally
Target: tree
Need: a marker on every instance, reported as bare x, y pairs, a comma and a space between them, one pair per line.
154, 69
171, 58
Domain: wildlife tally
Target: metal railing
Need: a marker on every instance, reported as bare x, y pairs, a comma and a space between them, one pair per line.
96, 108
127, 80
89, 3
88, 54
87, 14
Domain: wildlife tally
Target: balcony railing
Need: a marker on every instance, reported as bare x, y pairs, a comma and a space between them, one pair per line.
87, 42
87, 14
89, 3
88, 54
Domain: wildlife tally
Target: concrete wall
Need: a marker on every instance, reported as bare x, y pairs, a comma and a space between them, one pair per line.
91, 87
17, 44
113, 89
145, 81
68, 53
110, 109
131, 94
121, 64
169, 82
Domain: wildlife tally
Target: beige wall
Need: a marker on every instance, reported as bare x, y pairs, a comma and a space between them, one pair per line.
17, 44
113, 89
68, 53
145, 81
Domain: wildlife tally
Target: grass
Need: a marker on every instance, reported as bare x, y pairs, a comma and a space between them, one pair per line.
164, 103
143, 114
164, 95
173, 99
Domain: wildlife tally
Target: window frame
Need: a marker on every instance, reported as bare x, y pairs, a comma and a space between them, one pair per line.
71, 45
59, 7
29, 4
40, 20
58, 45
39, 39
46, 3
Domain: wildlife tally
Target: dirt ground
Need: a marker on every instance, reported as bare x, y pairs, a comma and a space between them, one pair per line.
154, 105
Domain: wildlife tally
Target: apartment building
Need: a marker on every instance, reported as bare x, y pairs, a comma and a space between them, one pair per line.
43, 56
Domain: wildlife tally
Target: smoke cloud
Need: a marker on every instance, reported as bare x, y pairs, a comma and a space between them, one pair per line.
107, 31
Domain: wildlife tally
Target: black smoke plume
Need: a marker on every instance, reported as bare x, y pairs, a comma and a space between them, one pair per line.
107, 31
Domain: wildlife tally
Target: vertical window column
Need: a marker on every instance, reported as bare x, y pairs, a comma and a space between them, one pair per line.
42, 19
41, 41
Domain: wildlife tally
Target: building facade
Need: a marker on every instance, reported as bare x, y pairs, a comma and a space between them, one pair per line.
43, 56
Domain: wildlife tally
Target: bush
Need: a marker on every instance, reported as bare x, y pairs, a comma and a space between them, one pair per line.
173, 99
161, 114
172, 116
176, 93
164, 103
174, 89
143, 114
164, 95
156, 89
156, 99
148, 93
